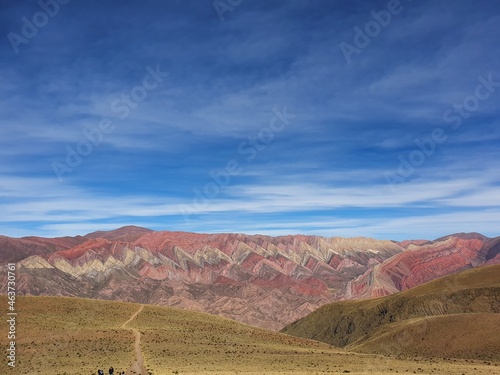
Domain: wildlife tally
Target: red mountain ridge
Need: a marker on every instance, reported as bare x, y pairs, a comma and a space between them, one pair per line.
260, 280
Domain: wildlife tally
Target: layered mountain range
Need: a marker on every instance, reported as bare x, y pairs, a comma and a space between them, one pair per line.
260, 280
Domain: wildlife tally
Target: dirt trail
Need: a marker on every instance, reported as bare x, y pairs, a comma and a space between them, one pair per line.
137, 367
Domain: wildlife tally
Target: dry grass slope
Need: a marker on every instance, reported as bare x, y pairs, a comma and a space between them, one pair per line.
76, 336
403, 317
477, 336
70, 335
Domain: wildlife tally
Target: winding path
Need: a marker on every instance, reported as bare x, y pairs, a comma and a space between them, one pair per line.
137, 367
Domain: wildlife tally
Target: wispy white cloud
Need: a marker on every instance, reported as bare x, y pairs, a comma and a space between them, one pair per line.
70, 208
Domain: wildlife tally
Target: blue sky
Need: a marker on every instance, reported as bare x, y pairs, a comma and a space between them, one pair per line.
250, 117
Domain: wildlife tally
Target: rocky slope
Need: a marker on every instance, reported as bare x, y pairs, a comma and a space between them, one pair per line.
425, 261
260, 280
16, 249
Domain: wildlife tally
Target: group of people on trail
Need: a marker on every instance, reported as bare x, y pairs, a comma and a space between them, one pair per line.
111, 372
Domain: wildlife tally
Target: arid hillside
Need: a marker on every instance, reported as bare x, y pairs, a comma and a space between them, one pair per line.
58, 335
454, 316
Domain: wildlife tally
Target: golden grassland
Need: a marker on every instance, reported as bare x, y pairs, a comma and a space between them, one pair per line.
456, 335
77, 336
69, 335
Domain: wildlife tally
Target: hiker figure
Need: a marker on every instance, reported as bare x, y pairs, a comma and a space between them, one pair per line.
100, 372
111, 371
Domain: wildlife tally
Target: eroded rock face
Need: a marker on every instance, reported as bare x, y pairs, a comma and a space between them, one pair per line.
259, 280
423, 261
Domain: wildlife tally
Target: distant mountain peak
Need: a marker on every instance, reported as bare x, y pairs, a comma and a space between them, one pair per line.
464, 235
127, 233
